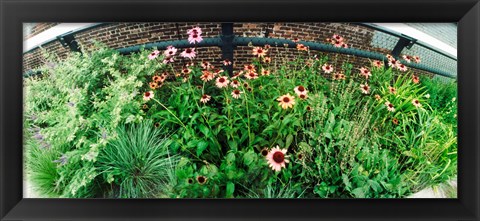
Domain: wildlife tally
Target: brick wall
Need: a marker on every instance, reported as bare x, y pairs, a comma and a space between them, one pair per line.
120, 35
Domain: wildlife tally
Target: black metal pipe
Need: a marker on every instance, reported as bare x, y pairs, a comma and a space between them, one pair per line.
162, 45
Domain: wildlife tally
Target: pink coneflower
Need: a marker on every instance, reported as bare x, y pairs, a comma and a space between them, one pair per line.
344, 45
236, 93
168, 60
365, 88
188, 53
201, 180
295, 40
365, 72
286, 101
395, 121
303, 96
267, 46
392, 90
309, 62
264, 152
265, 72
302, 47
156, 78
336, 76
249, 67
153, 85
195, 30
415, 79
407, 58
205, 98
390, 106
236, 75
337, 38
259, 52
186, 71
337, 44
222, 82
416, 103
162, 78
390, 57
235, 84
341, 77
300, 90
377, 97
206, 76
227, 62
147, 95
153, 55
251, 75
277, 158
205, 65
194, 38
217, 71
416, 59
400, 66
377, 63
327, 68
267, 59
392, 62
171, 51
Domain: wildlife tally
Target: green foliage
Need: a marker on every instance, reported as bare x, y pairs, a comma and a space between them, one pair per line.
42, 170
89, 115
77, 104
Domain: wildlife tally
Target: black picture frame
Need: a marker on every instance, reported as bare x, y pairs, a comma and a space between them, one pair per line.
14, 12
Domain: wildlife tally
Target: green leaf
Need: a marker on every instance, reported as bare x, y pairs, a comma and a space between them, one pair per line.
201, 146
375, 186
249, 157
233, 144
182, 162
359, 193
204, 130
230, 157
289, 140
346, 181
192, 143
230, 189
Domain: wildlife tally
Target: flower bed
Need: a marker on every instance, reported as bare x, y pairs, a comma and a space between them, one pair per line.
100, 124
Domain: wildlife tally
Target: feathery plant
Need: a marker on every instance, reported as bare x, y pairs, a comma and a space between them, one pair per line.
137, 164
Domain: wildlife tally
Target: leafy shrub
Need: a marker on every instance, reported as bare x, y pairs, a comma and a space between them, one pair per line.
77, 104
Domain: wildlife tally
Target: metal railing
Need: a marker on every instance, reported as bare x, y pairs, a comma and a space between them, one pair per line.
227, 41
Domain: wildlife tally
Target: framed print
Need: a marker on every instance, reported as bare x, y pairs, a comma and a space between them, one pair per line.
239, 110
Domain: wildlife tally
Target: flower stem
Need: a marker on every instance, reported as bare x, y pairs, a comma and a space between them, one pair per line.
248, 120
169, 111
